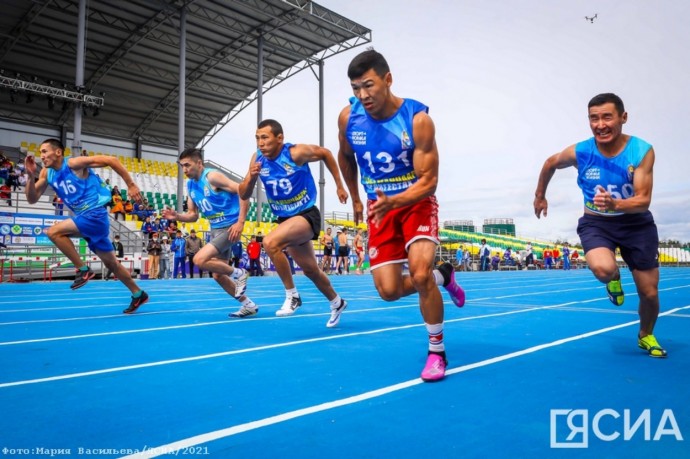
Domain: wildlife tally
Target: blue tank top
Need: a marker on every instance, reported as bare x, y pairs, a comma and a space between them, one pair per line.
220, 208
614, 174
384, 148
290, 189
80, 195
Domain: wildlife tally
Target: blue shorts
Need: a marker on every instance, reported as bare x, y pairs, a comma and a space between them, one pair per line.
635, 234
94, 227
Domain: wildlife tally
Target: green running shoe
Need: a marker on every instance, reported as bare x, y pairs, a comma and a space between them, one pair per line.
615, 292
649, 344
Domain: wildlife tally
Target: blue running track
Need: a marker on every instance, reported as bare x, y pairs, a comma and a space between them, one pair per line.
540, 365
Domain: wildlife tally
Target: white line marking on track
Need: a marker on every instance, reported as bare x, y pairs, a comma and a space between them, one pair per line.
258, 348
241, 428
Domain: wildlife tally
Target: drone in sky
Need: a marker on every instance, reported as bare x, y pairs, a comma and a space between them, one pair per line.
591, 19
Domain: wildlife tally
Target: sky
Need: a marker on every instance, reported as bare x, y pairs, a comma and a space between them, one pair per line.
507, 85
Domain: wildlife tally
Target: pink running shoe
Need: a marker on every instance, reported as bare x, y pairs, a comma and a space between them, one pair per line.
457, 294
435, 368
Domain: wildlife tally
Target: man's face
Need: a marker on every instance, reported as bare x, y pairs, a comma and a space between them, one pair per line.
50, 156
372, 91
268, 143
606, 123
191, 167
192, 235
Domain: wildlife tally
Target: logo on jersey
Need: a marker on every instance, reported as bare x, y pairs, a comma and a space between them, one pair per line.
631, 171
405, 140
265, 172
207, 192
358, 138
593, 174
373, 252
288, 169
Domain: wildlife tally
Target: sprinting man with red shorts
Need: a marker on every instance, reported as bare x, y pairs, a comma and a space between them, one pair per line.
392, 142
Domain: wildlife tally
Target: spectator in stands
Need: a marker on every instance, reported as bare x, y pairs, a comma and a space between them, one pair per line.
508, 257
6, 194
615, 174
529, 256
158, 226
458, 256
147, 229
566, 256
172, 228
327, 242
128, 207
166, 261
254, 253
237, 254
547, 256
466, 259
119, 253
194, 244
495, 260
556, 256
294, 203
83, 193
214, 196
13, 180
154, 250
484, 255
22, 180
343, 259
118, 208
178, 247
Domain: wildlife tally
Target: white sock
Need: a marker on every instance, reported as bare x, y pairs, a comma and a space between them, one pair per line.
291, 292
435, 337
438, 277
236, 273
335, 302
248, 302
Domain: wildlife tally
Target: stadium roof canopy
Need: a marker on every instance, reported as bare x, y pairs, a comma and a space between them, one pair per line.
132, 63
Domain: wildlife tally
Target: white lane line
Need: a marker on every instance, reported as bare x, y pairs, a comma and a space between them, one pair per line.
241, 428
253, 349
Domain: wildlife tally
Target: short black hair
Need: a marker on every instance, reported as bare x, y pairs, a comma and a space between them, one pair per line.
605, 98
194, 153
275, 126
55, 143
365, 61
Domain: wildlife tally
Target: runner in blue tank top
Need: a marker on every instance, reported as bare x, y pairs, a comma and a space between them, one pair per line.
615, 175
212, 195
392, 142
291, 193
86, 195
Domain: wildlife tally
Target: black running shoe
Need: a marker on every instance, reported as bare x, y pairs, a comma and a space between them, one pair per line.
82, 278
136, 302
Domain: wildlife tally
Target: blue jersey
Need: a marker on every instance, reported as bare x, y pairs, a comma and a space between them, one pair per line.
220, 208
615, 174
384, 148
79, 194
290, 189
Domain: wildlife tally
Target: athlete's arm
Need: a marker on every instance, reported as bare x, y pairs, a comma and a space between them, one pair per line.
34, 189
425, 160
302, 154
190, 216
561, 160
642, 186
222, 182
78, 163
348, 165
246, 188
